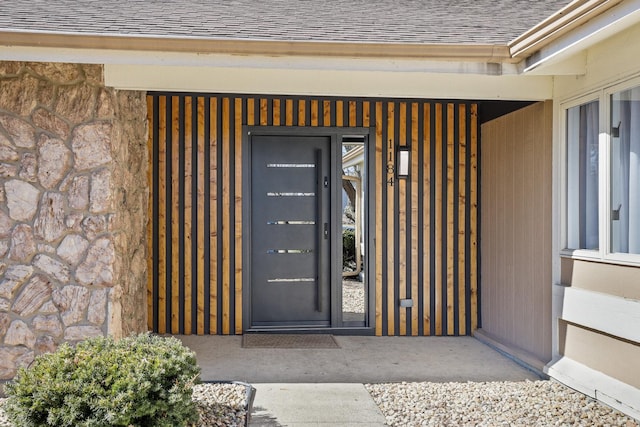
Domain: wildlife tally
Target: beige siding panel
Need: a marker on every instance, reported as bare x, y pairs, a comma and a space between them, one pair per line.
604, 353
516, 228
618, 280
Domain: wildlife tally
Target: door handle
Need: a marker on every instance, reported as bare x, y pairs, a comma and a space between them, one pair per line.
322, 231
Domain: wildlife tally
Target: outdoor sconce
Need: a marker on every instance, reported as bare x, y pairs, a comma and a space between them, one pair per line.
400, 169
402, 161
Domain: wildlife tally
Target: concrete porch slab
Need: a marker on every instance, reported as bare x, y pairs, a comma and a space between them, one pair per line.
358, 360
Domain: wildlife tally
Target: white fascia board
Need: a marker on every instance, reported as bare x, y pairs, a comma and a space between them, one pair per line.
313, 82
606, 313
595, 384
603, 26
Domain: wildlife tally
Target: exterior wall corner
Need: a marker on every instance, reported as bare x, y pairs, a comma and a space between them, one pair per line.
73, 214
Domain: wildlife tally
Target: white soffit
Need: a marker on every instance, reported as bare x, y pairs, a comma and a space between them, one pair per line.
567, 54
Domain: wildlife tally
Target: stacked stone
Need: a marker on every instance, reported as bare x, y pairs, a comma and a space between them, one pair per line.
73, 199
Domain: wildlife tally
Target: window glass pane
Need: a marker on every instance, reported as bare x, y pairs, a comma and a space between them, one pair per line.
625, 171
353, 256
582, 176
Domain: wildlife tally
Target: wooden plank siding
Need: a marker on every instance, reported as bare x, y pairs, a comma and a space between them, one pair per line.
425, 227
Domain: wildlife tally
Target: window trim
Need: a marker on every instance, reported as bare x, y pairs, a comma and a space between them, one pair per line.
564, 108
603, 254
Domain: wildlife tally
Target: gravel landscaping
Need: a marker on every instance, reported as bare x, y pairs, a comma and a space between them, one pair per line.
218, 405
529, 403
352, 300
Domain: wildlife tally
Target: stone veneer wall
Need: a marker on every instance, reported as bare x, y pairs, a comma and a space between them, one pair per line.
73, 209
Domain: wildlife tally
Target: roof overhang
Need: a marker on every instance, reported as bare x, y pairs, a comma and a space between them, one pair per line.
278, 67
149, 43
557, 45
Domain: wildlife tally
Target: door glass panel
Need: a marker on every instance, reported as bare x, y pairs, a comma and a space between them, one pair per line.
353, 278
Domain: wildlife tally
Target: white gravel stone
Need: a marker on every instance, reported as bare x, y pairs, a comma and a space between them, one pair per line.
528, 403
352, 296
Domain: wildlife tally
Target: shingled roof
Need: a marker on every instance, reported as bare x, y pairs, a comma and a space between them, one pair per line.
353, 21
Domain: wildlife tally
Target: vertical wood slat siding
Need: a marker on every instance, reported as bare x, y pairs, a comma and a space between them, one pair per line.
426, 225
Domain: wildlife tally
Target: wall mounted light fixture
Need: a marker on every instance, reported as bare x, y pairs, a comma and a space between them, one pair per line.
402, 161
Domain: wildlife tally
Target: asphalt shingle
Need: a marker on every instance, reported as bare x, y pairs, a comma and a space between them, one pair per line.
382, 21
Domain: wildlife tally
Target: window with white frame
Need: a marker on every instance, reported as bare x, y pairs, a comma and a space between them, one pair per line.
602, 175
625, 171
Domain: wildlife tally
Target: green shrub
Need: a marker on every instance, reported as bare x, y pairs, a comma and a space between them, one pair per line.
143, 380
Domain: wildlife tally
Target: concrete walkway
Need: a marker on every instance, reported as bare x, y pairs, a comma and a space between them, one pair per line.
324, 387
314, 405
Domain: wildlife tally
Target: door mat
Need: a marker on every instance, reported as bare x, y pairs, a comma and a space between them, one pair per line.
289, 341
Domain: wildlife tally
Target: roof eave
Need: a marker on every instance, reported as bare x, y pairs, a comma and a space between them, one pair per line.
469, 52
560, 23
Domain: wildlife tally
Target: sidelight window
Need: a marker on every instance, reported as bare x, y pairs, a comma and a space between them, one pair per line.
602, 175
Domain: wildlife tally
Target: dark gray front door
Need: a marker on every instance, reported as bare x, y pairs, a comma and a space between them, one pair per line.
290, 244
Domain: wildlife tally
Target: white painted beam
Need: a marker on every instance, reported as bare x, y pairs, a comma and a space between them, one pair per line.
280, 81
